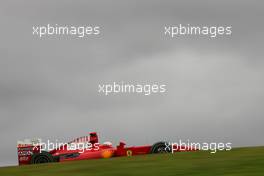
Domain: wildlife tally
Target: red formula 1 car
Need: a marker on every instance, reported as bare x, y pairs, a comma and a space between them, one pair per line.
87, 147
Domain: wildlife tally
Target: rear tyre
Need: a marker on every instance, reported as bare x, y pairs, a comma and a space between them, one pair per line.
161, 147
43, 157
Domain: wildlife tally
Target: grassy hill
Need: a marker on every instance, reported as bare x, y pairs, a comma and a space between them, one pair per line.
241, 161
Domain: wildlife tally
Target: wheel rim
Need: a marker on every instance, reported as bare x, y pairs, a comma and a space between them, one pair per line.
161, 150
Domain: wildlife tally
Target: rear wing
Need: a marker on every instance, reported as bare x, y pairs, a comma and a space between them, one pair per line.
26, 148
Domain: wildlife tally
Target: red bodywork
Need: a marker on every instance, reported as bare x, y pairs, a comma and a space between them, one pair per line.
95, 151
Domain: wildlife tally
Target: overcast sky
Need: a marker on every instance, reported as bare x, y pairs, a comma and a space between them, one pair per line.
49, 86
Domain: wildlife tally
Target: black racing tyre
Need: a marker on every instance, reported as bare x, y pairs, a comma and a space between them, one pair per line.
43, 157
161, 147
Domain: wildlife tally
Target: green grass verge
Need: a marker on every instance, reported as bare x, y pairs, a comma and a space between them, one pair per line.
240, 161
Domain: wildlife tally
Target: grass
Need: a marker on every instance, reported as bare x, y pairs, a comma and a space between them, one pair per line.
240, 161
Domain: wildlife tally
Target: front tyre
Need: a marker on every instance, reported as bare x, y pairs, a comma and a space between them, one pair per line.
161, 147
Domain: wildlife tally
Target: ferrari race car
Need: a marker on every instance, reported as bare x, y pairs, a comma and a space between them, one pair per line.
87, 147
